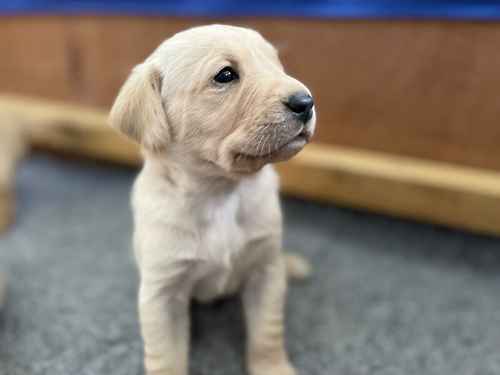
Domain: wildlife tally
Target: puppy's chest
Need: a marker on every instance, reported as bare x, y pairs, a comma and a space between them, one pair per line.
223, 231
227, 248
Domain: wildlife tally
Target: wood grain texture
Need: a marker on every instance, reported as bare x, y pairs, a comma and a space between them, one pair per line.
447, 194
421, 89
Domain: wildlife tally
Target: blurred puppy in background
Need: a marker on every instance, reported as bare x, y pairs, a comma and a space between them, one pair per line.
3, 290
212, 107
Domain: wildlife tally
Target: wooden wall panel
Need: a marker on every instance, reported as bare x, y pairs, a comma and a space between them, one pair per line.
33, 57
422, 89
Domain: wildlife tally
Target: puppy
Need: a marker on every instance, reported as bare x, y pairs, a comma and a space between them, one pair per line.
211, 108
3, 290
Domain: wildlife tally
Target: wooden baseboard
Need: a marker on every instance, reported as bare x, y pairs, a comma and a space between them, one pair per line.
446, 194
72, 129
6, 209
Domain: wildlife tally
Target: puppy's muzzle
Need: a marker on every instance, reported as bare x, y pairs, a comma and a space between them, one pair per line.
301, 104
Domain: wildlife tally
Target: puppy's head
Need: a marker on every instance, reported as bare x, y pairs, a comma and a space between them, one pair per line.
217, 95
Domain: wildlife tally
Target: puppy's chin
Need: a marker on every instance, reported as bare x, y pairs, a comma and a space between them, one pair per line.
280, 153
244, 163
240, 155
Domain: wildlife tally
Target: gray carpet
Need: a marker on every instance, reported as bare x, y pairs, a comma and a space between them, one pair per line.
388, 297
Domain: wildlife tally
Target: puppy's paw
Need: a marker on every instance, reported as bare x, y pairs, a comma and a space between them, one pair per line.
268, 368
297, 267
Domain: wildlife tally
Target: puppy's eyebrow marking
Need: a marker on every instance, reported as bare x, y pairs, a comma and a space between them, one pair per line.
262, 57
226, 58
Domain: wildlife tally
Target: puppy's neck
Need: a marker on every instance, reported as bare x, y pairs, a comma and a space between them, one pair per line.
188, 176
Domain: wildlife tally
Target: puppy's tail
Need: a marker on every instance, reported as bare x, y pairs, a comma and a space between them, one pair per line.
297, 267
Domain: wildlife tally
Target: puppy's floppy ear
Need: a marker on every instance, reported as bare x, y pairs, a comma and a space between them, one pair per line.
138, 109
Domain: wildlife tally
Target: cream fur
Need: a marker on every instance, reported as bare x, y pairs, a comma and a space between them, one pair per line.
206, 207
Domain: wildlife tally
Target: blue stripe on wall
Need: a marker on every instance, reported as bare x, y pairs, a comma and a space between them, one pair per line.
349, 9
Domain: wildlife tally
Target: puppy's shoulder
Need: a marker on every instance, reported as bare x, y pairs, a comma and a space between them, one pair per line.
154, 199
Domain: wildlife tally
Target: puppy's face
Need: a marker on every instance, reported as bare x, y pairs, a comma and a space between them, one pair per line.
218, 94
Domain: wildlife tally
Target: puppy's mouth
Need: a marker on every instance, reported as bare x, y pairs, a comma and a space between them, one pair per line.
282, 152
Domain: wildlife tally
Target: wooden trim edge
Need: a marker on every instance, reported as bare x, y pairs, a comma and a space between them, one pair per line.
446, 194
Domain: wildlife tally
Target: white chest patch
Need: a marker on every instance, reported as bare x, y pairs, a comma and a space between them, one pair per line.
222, 243
222, 236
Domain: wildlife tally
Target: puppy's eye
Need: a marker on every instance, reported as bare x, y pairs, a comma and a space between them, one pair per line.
226, 75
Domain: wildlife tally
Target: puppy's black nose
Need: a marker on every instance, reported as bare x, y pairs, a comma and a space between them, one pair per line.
301, 103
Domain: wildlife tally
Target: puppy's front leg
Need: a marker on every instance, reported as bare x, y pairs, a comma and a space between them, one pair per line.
263, 301
164, 318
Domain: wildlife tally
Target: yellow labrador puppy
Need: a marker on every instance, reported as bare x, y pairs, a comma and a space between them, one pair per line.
3, 290
212, 107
